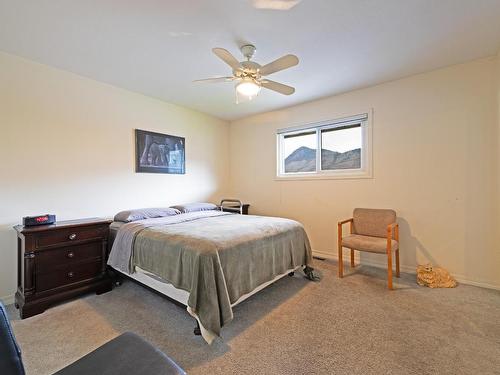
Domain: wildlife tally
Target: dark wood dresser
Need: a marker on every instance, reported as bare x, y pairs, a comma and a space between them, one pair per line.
60, 261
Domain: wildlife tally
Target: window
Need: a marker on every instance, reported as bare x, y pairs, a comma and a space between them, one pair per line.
341, 148
331, 149
300, 152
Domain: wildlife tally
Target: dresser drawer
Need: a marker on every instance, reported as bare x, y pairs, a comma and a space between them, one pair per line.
49, 259
67, 275
70, 235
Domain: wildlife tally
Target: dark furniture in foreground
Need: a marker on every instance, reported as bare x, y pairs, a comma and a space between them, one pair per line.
60, 261
126, 354
10, 354
374, 231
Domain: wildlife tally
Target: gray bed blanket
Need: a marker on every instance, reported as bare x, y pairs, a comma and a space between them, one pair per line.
215, 256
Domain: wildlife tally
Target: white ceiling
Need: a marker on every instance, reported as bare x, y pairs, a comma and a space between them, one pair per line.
158, 47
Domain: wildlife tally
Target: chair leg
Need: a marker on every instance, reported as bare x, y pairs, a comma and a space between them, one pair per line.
352, 258
341, 263
389, 270
397, 263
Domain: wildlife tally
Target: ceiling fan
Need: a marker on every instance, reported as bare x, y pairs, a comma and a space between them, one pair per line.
248, 75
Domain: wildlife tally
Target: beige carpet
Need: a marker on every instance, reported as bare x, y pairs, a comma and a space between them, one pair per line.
349, 326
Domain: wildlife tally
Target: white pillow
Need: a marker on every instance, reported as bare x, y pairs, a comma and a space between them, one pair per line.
144, 213
193, 207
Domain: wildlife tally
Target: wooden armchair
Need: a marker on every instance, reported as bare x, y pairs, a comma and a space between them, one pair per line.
371, 230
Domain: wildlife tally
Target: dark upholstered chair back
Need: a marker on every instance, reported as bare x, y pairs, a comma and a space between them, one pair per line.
372, 222
10, 354
125, 354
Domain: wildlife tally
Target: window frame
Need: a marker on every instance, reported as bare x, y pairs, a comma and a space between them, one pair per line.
365, 121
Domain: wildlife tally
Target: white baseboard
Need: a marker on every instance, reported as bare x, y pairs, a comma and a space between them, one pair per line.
7, 300
404, 268
347, 260
464, 280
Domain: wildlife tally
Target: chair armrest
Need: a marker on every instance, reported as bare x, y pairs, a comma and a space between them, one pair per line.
346, 221
393, 231
339, 231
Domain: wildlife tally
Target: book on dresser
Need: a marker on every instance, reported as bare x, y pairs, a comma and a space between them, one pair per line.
60, 261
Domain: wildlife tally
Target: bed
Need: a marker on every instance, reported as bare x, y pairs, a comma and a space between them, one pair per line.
209, 261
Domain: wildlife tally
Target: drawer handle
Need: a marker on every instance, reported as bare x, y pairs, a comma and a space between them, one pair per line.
71, 274
72, 236
70, 255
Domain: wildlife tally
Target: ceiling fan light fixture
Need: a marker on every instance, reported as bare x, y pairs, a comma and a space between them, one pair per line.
248, 87
248, 74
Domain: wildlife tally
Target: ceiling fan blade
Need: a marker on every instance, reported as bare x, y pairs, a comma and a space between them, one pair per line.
284, 62
278, 87
226, 56
215, 79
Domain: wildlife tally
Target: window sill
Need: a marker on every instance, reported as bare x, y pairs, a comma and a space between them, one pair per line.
325, 176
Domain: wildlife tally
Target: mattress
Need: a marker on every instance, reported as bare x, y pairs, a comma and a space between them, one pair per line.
167, 289
181, 296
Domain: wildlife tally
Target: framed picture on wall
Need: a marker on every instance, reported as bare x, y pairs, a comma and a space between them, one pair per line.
159, 153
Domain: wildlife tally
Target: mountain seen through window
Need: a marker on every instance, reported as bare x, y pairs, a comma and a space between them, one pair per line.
340, 149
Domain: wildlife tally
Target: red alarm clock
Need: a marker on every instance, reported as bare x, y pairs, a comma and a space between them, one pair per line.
29, 221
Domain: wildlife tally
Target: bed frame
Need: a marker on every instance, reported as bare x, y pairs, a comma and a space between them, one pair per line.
178, 296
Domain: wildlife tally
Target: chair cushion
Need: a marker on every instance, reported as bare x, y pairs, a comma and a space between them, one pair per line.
126, 354
368, 243
372, 222
10, 354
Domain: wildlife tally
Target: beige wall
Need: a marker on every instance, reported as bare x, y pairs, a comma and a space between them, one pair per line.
498, 152
435, 161
67, 147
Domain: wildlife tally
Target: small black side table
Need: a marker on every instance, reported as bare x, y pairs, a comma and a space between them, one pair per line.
234, 205
236, 209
